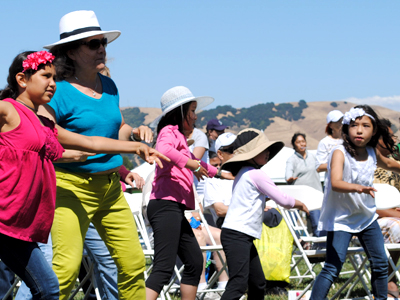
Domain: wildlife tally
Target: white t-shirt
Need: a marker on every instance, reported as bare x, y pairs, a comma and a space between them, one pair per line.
250, 188
325, 147
200, 140
350, 212
217, 190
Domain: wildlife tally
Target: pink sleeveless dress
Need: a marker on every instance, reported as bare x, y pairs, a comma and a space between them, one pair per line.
27, 177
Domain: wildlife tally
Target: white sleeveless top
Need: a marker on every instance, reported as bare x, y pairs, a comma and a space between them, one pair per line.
350, 212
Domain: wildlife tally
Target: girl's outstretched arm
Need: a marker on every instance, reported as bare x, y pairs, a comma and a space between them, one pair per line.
300, 205
387, 163
71, 140
96, 144
340, 186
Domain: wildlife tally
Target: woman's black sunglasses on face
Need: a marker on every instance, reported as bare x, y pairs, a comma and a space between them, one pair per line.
95, 43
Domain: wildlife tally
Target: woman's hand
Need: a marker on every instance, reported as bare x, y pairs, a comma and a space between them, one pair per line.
366, 190
143, 133
134, 177
151, 155
291, 179
300, 205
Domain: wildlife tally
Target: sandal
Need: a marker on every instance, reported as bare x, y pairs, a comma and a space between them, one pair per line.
395, 294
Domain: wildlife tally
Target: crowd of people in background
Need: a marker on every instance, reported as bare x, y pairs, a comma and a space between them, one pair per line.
61, 136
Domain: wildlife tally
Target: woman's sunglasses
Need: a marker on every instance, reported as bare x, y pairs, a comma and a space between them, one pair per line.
95, 43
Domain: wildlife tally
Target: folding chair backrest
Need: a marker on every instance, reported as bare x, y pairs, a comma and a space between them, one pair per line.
387, 196
311, 197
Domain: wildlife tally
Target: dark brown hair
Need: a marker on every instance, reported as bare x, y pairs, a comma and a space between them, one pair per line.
381, 131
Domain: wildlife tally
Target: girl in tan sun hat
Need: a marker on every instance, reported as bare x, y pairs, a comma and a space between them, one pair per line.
243, 221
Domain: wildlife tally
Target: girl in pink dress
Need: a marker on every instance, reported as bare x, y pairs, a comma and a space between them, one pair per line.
28, 145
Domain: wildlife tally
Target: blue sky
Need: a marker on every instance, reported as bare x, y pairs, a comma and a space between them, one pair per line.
239, 52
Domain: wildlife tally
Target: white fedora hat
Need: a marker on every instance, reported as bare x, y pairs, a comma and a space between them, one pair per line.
81, 24
176, 97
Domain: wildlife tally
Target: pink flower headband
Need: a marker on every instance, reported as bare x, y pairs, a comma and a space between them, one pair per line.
37, 58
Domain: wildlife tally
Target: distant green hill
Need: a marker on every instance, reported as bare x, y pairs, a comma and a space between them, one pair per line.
257, 116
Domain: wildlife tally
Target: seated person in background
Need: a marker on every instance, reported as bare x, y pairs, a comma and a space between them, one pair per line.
204, 239
389, 219
214, 159
214, 129
218, 192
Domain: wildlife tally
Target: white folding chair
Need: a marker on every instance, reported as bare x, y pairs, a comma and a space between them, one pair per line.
212, 248
386, 197
89, 267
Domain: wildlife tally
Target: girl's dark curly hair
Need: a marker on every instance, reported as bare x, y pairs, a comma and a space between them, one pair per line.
395, 152
381, 131
11, 90
174, 117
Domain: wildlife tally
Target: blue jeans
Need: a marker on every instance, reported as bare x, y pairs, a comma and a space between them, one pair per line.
7, 278
337, 243
27, 261
24, 293
105, 270
314, 219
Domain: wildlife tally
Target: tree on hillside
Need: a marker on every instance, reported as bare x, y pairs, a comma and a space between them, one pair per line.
303, 104
133, 116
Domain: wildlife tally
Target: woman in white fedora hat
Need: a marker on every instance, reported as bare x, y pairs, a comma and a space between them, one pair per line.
87, 102
172, 193
243, 221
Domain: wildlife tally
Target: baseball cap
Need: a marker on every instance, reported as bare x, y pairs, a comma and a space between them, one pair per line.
224, 139
215, 124
334, 116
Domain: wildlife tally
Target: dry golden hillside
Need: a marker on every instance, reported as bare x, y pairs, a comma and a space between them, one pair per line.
313, 124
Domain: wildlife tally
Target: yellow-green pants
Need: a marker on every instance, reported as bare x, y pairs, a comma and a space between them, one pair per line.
84, 198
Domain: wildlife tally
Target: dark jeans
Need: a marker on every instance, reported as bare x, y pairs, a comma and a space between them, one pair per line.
337, 243
244, 266
7, 278
314, 219
27, 261
172, 236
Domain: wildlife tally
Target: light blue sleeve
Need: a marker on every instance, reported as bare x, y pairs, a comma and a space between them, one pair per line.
289, 168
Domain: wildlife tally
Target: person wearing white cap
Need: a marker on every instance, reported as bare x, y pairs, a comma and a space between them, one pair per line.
172, 193
333, 139
87, 102
218, 192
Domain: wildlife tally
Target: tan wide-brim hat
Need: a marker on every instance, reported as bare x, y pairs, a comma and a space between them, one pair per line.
248, 144
79, 25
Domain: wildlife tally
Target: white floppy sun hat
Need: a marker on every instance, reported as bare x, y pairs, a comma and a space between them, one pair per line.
81, 24
176, 97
